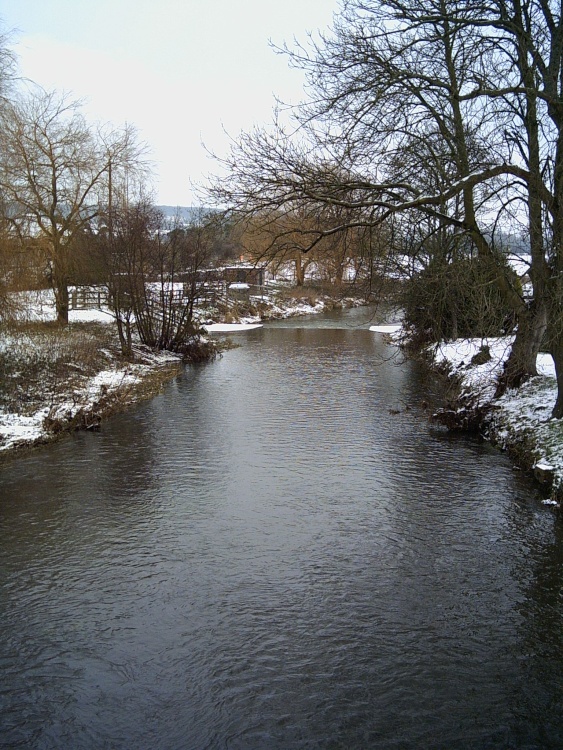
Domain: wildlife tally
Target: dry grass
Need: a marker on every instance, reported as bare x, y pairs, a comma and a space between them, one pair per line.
55, 380
39, 361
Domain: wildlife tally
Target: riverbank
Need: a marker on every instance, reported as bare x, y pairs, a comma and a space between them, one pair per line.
519, 422
55, 380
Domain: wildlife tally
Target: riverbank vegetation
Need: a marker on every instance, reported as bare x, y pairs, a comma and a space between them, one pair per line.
518, 421
56, 379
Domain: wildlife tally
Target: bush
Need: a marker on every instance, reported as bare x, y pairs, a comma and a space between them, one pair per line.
457, 299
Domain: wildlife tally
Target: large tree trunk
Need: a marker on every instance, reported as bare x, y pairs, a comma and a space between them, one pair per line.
556, 313
521, 363
532, 320
62, 302
60, 276
557, 353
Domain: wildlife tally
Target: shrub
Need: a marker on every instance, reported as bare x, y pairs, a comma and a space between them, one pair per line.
456, 299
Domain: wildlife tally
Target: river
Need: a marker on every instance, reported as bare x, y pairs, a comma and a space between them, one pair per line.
279, 551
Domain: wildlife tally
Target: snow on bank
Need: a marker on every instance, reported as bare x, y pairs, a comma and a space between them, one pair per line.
387, 328
84, 401
90, 316
230, 327
520, 417
39, 307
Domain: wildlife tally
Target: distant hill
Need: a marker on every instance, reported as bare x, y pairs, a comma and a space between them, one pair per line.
188, 214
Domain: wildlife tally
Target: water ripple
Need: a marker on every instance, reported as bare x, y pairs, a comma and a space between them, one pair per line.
269, 556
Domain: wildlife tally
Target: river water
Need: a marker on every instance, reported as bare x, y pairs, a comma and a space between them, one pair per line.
267, 555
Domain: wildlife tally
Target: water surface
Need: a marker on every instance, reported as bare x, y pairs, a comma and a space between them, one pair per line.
279, 552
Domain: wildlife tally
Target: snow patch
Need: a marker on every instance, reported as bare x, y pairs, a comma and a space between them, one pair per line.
390, 328
229, 327
521, 415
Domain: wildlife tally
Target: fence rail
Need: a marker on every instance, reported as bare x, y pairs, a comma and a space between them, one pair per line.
88, 298
92, 298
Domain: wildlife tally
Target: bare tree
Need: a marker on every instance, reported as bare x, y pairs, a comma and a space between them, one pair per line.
54, 171
531, 34
152, 272
8, 67
276, 238
8, 70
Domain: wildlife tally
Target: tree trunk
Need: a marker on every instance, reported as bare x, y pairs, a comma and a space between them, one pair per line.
62, 302
521, 363
532, 320
557, 354
299, 269
124, 332
339, 276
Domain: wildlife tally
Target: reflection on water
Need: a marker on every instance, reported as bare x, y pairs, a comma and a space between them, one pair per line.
266, 557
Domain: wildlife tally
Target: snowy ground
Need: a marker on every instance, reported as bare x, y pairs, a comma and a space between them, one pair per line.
18, 429
95, 377
519, 417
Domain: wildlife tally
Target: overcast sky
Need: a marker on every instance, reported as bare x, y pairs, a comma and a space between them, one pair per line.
182, 71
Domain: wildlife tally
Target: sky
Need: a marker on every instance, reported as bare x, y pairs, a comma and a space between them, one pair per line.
189, 74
